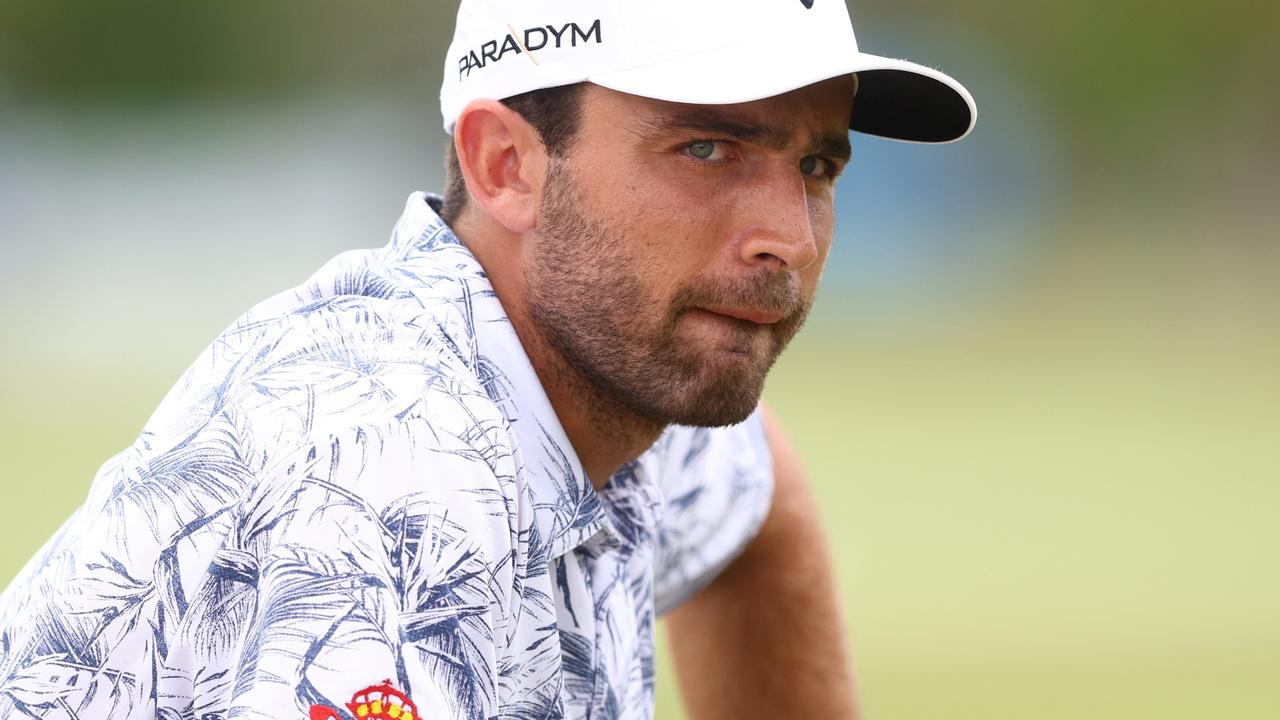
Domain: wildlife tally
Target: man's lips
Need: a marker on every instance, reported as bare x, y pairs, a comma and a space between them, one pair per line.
760, 317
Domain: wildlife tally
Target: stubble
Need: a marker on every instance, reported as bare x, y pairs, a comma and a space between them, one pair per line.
620, 350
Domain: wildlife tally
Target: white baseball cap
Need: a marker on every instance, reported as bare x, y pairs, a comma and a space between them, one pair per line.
694, 51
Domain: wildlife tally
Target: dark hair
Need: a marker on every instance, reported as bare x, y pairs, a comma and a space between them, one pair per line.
553, 112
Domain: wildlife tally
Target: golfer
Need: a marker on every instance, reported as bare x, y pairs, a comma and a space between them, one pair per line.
459, 476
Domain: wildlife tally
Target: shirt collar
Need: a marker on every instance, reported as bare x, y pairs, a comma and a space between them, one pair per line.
633, 503
567, 509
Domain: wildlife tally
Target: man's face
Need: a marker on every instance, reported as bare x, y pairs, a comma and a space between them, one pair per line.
679, 247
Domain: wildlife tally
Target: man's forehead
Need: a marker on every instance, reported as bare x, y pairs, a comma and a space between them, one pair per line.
831, 95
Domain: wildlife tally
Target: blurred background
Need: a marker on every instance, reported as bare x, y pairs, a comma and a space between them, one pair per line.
1039, 397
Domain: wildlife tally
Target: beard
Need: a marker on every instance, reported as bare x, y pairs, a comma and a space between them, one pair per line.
624, 350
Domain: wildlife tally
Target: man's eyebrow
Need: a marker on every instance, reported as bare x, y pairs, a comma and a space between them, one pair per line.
833, 146
712, 123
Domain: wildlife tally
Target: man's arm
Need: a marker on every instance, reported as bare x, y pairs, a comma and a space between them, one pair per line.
765, 638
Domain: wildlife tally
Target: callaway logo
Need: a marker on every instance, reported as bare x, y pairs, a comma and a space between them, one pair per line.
530, 40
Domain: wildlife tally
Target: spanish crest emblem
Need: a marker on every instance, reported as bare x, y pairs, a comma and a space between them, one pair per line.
376, 702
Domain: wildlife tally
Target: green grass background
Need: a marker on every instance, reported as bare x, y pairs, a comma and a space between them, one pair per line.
1061, 507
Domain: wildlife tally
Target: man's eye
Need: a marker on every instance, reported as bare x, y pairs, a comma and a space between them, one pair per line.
707, 150
815, 166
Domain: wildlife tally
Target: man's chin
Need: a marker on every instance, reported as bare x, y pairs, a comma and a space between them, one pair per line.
727, 398
717, 419
716, 415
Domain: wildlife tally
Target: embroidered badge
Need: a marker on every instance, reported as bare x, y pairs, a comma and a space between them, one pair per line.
376, 702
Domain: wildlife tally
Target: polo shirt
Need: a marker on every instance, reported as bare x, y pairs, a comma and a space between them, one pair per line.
358, 503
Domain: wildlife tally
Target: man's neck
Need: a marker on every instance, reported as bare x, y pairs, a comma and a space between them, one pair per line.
604, 434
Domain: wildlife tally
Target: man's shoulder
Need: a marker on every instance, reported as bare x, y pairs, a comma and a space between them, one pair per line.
368, 359
349, 386
718, 486
357, 344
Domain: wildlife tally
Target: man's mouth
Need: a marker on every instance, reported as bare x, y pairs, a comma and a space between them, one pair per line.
760, 317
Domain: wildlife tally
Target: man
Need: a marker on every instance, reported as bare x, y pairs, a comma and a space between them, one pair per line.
458, 476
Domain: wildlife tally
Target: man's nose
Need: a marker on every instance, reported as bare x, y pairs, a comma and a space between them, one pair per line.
779, 232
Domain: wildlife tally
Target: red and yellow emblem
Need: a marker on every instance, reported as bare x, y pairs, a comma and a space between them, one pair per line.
376, 702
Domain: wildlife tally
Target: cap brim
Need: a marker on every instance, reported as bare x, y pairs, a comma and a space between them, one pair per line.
901, 100
896, 99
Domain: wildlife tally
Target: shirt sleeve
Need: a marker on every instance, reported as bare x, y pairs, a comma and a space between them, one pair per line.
718, 485
372, 565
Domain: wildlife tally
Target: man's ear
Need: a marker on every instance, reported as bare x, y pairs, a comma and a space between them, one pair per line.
503, 162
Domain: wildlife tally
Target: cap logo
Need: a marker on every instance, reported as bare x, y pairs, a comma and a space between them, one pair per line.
530, 41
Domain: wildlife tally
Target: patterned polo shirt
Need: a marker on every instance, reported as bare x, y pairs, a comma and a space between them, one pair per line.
358, 503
